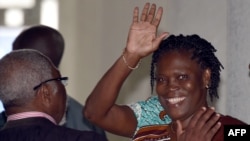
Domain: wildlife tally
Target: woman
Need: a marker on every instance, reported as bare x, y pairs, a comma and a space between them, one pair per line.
186, 70
195, 122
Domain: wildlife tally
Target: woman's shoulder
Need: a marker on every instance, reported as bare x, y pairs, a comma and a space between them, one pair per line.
229, 120
226, 120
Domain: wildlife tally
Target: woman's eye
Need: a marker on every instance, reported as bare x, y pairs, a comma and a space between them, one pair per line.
160, 79
182, 77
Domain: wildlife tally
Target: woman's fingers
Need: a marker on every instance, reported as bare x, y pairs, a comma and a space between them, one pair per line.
145, 12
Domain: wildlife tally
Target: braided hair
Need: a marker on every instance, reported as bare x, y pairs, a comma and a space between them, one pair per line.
203, 52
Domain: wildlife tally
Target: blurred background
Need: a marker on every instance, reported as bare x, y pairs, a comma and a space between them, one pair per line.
95, 33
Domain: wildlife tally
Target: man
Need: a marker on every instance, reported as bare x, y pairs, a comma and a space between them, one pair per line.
51, 43
34, 97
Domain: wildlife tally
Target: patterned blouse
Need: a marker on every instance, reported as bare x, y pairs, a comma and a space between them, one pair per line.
148, 113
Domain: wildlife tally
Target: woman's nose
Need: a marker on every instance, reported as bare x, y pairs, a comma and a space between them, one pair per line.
173, 85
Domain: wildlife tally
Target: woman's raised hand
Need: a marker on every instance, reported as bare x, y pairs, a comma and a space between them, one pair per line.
142, 38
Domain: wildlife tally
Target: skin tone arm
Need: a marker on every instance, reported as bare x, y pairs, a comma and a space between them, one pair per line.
100, 107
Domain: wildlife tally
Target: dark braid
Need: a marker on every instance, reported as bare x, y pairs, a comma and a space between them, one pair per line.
202, 50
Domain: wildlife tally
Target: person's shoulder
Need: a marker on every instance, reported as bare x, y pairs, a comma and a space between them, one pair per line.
226, 119
74, 103
75, 135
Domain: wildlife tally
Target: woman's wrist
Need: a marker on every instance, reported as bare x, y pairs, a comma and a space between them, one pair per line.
131, 60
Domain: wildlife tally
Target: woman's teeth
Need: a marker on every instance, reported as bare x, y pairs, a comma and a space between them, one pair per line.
175, 100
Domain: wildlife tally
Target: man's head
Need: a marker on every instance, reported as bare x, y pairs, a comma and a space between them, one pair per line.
44, 39
20, 72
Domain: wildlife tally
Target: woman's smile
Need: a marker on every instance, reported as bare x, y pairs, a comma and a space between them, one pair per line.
175, 100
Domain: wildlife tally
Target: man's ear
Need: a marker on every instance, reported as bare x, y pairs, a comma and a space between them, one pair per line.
44, 95
206, 78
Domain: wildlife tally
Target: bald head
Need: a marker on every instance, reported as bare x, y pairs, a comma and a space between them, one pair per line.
44, 39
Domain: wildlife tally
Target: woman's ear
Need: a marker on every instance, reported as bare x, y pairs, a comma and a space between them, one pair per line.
207, 78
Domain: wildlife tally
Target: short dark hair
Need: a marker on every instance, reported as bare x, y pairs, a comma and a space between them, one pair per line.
45, 39
201, 49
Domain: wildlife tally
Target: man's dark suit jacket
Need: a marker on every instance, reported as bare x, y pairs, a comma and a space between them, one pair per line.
41, 129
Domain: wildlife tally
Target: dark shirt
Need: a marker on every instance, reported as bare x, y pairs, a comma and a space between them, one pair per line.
74, 118
2, 119
226, 120
41, 129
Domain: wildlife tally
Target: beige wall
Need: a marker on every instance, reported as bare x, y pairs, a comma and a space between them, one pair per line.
96, 31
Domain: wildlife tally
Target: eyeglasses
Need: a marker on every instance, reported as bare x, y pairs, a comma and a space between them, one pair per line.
64, 81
